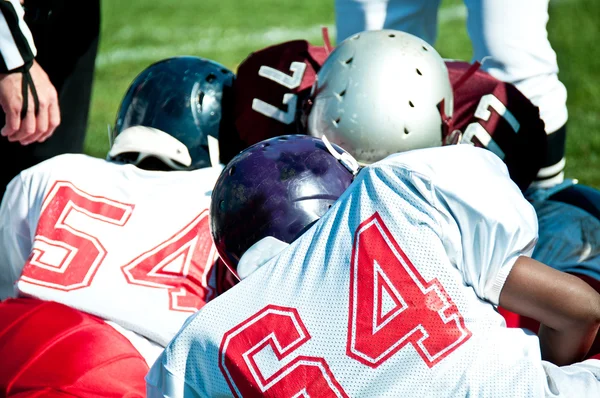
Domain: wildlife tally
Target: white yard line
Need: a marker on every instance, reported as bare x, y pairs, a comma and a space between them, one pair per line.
224, 40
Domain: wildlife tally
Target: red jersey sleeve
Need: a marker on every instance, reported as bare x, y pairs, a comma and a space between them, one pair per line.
497, 116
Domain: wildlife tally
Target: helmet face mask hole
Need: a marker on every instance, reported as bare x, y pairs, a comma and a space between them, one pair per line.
232, 170
210, 78
342, 93
336, 122
406, 131
349, 61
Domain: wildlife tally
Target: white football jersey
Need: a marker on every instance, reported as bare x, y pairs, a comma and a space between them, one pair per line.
128, 245
390, 294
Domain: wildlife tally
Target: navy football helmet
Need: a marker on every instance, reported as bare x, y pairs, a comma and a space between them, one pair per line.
176, 110
276, 188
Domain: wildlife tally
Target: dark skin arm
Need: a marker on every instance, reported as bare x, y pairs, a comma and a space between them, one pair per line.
567, 308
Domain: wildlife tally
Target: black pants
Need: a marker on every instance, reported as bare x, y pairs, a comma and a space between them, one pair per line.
66, 34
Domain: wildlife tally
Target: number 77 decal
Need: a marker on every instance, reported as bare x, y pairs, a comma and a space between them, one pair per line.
289, 99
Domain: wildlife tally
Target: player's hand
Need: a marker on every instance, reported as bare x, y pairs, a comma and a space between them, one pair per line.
32, 128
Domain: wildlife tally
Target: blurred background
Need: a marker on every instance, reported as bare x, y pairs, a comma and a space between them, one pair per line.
136, 33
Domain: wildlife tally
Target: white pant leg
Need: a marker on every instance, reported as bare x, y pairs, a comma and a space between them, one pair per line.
513, 34
418, 17
581, 380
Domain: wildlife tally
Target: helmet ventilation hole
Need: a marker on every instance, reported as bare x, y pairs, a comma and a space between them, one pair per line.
419, 72
342, 93
411, 104
232, 170
391, 35
222, 205
224, 71
356, 37
424, 48
406, 131
210, 78
349, 60
284, 138
336, 122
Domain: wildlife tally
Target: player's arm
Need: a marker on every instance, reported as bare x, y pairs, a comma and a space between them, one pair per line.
567, 308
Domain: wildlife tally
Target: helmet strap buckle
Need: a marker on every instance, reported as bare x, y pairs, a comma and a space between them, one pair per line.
344, 158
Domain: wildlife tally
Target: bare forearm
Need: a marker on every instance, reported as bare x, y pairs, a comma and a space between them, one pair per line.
564, 347
567, 308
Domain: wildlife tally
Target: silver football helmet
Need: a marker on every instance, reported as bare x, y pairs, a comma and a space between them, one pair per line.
378, 93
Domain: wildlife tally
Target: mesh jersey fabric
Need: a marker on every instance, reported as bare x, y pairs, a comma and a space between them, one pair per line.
127, 245
391, 293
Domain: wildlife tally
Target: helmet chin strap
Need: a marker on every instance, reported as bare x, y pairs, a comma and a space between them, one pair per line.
344, 158
110, 136
213, 150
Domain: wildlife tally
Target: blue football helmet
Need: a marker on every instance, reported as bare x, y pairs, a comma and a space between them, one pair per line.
276, 188
176, 110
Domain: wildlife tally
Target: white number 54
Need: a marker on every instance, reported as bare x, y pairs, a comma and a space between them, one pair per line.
291, 100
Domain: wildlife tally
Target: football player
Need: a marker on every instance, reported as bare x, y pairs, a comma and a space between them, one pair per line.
379, 282
486, 112
416, 103
103, 260
509, 37
273, 93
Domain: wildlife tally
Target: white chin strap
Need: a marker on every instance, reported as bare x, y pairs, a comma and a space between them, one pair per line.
148, 141
344, 158
213, 150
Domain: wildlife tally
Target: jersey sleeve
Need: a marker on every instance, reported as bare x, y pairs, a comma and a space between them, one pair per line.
16, 42
15, 236
486, 222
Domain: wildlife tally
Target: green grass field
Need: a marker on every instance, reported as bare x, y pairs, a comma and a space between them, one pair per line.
136, 33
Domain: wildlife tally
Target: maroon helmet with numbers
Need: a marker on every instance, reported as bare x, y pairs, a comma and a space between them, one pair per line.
495, 115
271, 87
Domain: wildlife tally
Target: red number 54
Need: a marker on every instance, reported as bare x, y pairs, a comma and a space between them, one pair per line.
66, 258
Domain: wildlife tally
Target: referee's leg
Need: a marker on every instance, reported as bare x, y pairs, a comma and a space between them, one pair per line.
513, 35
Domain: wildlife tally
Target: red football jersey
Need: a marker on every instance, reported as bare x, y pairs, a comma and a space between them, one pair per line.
270, 89
273, 84
497, 116
51, 350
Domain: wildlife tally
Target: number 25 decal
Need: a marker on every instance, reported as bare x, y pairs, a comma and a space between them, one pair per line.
66, 258
390, 306
291, 100
483, 112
